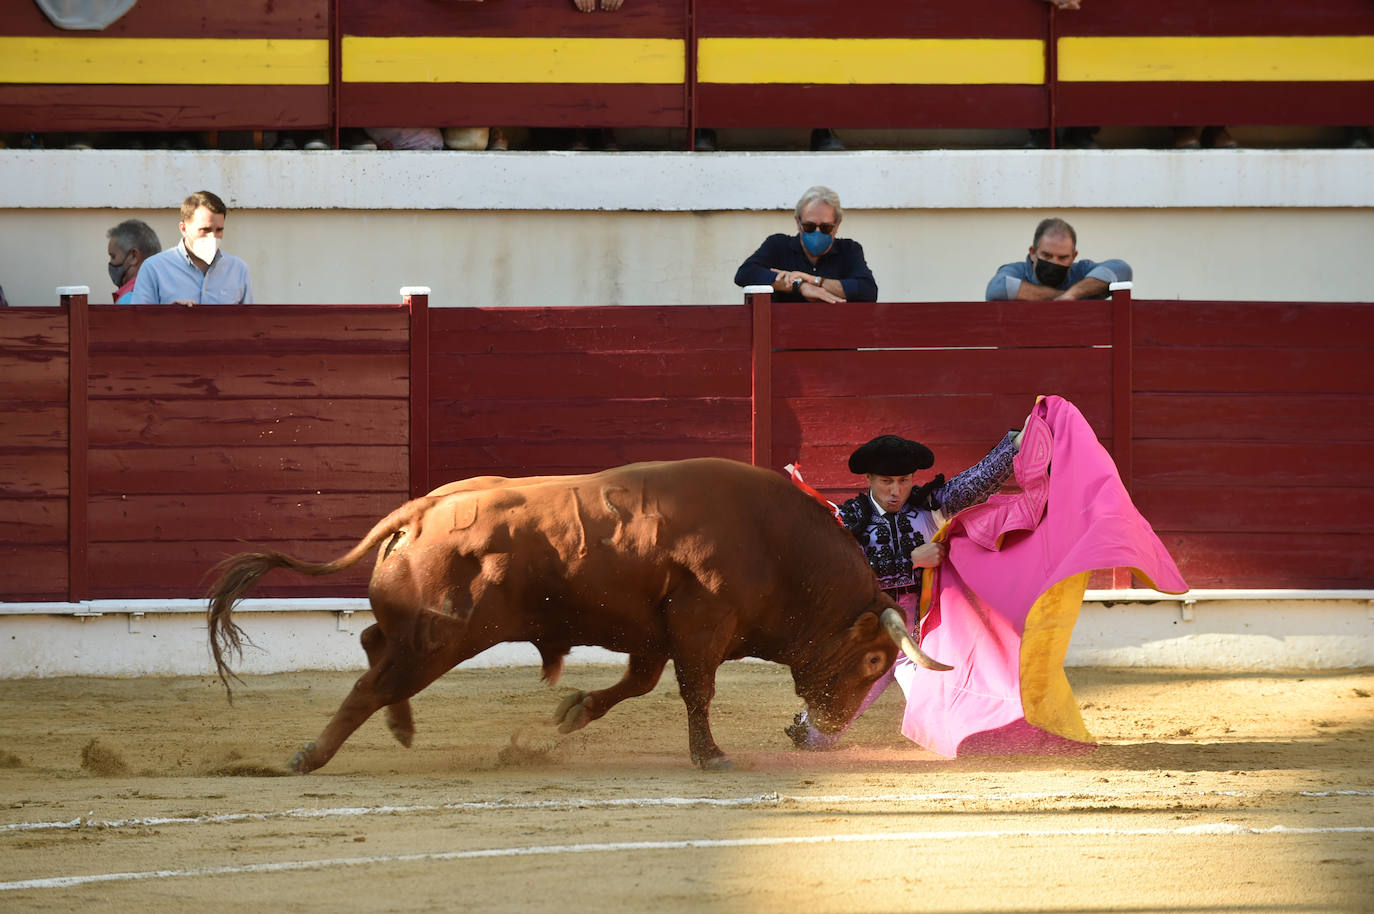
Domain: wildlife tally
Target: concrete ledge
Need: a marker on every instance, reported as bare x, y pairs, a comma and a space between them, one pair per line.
690, 182
1221, 630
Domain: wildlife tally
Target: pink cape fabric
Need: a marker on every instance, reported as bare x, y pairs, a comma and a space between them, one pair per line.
1005, 600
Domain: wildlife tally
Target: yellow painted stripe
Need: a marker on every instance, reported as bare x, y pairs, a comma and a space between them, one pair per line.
1235, 59
513, 60
872, 61
174, 61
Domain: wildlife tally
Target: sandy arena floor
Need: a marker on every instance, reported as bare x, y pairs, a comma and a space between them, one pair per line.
1209, 793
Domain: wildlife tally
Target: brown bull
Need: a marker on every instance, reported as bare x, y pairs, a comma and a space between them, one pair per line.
694, 561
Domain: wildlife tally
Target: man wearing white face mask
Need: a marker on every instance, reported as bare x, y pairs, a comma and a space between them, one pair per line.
814, 264
196, 271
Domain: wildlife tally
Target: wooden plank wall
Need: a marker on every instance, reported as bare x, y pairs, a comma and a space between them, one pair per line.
535, 63
844, 375
296, 64
168, 65
214, 430
871, 63
1253, 436
531, 391
33, 454
217, 430
1180, 62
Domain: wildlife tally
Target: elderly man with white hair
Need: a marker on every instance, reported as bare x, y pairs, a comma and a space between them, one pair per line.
815, 264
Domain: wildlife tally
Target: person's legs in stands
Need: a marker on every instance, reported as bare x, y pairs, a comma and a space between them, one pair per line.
823, 139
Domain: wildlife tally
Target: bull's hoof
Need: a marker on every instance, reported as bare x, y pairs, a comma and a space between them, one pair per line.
404, 735
716, 763
796, 731
297, 763
568, 703
574, 712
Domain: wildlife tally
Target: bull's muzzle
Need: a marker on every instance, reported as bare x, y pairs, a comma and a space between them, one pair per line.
895, 626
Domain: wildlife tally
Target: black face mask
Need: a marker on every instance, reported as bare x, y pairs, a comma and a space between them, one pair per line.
1051, 274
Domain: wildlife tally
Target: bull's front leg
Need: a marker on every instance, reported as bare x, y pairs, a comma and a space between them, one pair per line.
581, 708
697, 683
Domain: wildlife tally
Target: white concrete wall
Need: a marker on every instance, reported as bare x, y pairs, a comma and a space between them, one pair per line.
1220, 631
670, 228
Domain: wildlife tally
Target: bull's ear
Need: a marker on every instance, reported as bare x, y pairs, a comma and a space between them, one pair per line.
867, 626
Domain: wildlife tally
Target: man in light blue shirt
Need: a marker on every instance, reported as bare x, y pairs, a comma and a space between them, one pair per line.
1052, 270
196, 271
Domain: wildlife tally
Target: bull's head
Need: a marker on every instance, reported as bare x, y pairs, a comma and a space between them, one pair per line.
834, 683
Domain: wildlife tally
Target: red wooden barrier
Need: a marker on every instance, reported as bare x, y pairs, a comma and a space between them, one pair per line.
1252, 436
844, 375
284, 427
1239, 426
528, 391
416, 300
34, 435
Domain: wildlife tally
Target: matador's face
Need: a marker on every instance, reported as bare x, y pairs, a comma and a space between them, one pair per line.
891, 492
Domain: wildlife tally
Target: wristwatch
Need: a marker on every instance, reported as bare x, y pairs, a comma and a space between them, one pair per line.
796, 286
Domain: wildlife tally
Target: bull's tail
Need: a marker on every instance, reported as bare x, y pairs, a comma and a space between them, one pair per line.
239, 574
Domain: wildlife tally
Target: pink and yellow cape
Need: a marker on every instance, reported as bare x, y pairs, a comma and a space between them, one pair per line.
1004, 602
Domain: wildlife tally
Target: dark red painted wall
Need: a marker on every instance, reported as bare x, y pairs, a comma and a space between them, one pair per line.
215, 430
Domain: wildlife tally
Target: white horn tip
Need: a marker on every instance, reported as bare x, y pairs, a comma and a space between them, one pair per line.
896, 628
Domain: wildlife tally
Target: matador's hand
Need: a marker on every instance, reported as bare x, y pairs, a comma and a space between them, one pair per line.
928, 555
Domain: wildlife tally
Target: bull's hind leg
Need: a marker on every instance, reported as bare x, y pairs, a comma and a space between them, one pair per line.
697, 683
398, 670
700, 629
399, 719
581, 708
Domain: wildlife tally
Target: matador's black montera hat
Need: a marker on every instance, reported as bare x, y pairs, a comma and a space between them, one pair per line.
891, 455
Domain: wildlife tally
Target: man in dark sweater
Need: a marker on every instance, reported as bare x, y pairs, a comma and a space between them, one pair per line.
814, 264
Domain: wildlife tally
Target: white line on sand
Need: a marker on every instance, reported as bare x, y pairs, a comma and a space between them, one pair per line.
1211, 829
766, 799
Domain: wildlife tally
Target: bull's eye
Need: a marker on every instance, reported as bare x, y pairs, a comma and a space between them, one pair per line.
874, 662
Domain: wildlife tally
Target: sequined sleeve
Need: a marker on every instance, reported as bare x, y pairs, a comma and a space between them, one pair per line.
975, 484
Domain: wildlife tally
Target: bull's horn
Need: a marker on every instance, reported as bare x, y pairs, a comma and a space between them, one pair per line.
896, 628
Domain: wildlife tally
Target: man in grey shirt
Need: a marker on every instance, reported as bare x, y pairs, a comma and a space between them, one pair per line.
196, 271
1052, 269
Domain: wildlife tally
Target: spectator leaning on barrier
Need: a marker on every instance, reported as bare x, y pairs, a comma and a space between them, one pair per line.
1052, 269
196, 271
129, 244
815, 264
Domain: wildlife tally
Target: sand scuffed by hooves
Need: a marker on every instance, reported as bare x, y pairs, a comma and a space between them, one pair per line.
234, 765
102, 761
529, 746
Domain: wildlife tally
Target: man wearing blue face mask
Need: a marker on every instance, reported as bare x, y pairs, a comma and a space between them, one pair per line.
814, 264
1052, 271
